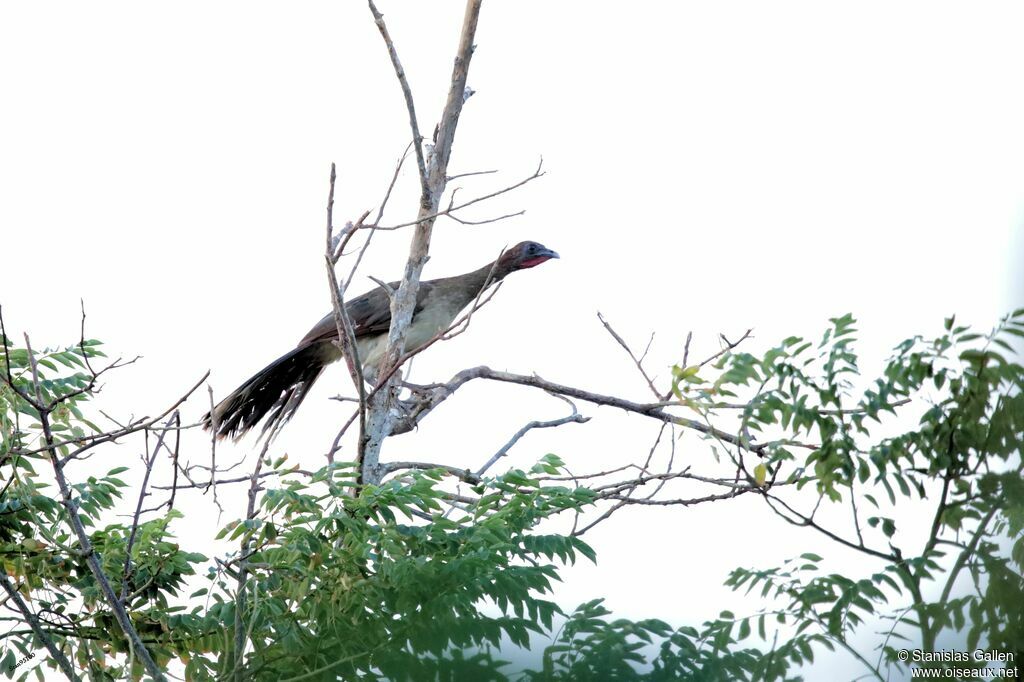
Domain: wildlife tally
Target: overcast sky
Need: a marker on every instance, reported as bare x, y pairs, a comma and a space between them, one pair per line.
711, 167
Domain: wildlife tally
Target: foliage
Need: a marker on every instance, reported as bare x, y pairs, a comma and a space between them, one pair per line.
38, 547
962, 459
333, 580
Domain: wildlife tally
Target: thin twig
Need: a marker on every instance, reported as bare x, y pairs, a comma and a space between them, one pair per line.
346, 335
134, 427
133, 533
380, 215
410, 105
729, 345
470, 174
503, 450
243, 573
239, 479
625, 347
538, 173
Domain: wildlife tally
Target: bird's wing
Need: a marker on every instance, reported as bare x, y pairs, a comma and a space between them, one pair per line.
370, 315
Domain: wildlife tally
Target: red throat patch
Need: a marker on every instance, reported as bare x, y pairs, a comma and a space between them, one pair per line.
533, 262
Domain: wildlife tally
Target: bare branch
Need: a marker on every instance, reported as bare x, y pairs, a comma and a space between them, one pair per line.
636, 361
134, 427
470, 174
239, 479
437, 393
795, 518
417, 138
574, 417
380, 215
388, 289
619, 487
462, 474
336, 445
729, 345
486, 221
214, 429
453, 208
174, 466
681, 502
456, 97
346, 340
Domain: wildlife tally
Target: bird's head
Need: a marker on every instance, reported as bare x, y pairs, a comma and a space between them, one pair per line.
525, 255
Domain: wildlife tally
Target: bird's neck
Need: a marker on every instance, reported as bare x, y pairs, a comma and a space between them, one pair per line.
489, 274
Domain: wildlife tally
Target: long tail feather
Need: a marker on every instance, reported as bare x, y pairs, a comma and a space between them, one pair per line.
275, 392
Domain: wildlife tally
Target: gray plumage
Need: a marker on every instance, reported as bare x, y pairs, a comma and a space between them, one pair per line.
276, 391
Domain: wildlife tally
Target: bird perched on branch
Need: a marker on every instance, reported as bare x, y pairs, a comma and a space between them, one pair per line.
278, 389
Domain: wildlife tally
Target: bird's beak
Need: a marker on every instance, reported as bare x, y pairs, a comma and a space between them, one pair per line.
537, 257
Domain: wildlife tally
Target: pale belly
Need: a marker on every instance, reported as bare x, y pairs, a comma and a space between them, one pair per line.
425, 326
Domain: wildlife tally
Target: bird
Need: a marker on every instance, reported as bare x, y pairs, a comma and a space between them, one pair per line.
276, 391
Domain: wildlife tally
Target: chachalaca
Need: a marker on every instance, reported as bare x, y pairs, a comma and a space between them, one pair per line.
278, 389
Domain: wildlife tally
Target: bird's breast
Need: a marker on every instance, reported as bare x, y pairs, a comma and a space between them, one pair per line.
431, 320
436, 315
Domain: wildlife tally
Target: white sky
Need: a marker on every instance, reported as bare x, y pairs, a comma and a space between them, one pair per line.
711, 167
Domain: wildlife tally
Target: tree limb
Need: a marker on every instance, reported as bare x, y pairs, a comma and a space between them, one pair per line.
380, 418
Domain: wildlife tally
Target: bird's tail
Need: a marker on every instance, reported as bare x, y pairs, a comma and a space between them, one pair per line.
275, 392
